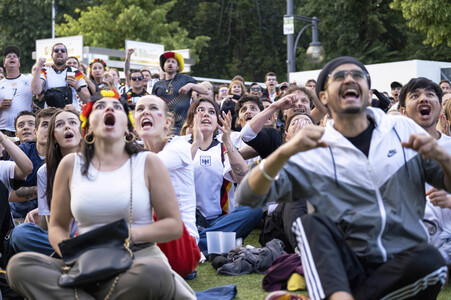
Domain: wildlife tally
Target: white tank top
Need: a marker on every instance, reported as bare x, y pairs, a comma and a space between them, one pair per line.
104, 197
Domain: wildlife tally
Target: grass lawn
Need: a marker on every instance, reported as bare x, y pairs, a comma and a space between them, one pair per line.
250, 286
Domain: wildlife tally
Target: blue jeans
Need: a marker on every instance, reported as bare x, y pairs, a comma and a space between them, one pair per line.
242, 221
30, 237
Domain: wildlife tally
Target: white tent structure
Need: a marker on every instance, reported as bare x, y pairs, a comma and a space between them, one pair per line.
383, 74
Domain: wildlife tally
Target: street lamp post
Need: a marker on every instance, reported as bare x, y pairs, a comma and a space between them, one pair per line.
315, 52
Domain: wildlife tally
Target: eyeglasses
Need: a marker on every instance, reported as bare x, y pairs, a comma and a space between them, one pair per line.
59, 50
137, 78
256, 89
341, 75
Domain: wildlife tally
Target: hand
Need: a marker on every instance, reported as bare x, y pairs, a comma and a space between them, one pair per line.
185, 89
69, 107
71, 81
41, 62
287, 102
307, 138
226, 127
6, 103
439, 198
443, 124
130, 52
195, 130
33, 217
426, 146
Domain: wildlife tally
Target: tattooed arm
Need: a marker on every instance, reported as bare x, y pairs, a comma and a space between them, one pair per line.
237, 163
24, 194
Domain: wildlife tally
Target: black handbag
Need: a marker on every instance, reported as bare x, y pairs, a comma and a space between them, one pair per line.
58, 97
96, 255
99, 254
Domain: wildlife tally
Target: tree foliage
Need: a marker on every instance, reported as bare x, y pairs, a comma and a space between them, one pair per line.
429, 16
246, 36
111, 23
368, 30
23, 22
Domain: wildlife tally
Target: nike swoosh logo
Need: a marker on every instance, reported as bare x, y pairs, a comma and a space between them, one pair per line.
391, 153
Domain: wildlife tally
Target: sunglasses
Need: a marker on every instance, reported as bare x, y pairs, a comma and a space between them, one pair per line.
137, 78
256, 89
341, 75
59, 50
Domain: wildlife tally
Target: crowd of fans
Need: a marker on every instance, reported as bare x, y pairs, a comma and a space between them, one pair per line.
74, 139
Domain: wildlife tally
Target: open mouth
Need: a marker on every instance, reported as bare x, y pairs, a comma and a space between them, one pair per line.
109, 120
350, 93
68, 135
425, 110
206, 122
146, 123
248, 118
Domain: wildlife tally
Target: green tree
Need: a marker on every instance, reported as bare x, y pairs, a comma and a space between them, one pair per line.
368, 30
429, 16
111, 23
23, 22
246, 36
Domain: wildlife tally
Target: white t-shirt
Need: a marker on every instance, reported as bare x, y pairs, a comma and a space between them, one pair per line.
176, 156
53, 80
208, 179
7, 173
43, 208
19, 90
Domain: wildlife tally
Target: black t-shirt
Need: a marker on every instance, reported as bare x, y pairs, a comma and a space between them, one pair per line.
363, 140
266, 141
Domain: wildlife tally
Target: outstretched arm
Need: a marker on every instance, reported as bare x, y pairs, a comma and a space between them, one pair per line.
127, 68
260, 178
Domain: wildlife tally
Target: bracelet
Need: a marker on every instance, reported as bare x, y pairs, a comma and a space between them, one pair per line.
266, 175
79, 89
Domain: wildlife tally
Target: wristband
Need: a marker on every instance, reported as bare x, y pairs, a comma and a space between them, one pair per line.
266, 175
79, 89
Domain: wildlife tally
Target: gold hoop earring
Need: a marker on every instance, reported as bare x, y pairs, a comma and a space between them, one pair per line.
129, 137
89, 139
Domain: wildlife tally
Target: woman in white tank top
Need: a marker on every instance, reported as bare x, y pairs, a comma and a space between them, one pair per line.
93, 187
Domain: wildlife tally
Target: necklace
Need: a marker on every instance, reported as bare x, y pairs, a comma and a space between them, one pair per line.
169, 89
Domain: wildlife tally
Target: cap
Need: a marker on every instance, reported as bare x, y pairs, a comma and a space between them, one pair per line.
11, 49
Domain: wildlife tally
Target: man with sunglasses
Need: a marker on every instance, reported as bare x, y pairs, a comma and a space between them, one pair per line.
60, 75
364, 174
136, 79
256, 90
175, 89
